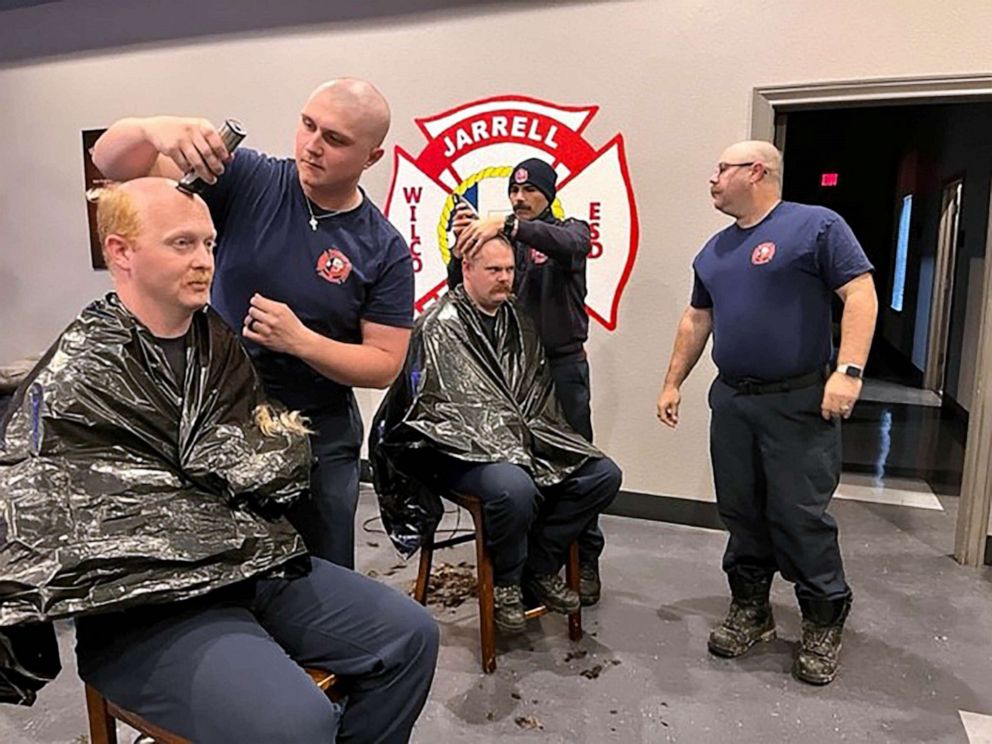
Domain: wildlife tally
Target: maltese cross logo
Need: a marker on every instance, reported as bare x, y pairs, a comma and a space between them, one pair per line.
471, 150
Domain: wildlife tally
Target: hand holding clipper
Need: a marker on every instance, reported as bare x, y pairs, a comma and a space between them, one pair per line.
462, 216
231, 133
464, 205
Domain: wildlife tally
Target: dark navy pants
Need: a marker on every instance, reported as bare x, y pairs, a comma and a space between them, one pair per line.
572, 390
527, 526
776, 465
326, 520
229, 667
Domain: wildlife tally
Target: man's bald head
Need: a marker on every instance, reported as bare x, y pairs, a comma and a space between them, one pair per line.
122, 209
342, 126
747, 181
756, 151
364, 99
158, 243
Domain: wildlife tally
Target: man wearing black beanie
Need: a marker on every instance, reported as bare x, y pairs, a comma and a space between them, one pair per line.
550, 285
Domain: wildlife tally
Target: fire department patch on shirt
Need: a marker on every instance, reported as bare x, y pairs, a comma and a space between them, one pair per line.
763, 254
334, 266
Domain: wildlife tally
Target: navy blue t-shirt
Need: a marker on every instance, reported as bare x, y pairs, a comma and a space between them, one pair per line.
771, 289
354, 267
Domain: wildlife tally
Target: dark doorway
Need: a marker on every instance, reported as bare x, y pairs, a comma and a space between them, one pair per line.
913, 183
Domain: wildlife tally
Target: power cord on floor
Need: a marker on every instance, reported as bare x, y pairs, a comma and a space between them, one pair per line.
456, 530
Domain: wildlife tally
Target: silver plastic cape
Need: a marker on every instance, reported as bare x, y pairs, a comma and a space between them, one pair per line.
121, 485
472, 398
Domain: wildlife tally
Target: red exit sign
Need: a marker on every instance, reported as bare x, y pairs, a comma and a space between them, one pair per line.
828, 179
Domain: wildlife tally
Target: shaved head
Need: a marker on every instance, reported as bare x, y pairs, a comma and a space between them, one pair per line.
756, 151
747, 181
158, 193
159, 204
123, 208
340, 134
362, 98
158, 243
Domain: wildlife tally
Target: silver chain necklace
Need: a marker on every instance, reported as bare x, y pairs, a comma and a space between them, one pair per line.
313, 217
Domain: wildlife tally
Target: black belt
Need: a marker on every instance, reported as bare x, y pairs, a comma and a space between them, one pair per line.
754, 386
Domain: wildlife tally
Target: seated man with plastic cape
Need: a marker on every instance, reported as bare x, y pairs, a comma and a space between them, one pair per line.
143, 478
474, 412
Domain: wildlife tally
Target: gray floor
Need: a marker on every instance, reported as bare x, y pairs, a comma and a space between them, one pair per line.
917, 651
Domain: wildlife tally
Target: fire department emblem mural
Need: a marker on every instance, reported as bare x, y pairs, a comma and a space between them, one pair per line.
471, 150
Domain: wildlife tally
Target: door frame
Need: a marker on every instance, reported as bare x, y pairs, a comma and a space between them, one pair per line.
972, 529
945, 262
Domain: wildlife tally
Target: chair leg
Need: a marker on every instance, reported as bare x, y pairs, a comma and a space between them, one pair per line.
424, 572
484, 571
103, 728
572, 579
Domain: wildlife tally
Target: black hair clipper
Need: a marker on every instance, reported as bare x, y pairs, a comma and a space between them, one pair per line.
231, 133
460, 199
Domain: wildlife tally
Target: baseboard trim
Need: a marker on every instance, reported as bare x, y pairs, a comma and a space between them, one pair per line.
643, 506
670, 509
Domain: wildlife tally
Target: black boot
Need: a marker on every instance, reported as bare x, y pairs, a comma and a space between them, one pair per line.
819, 653
748, 621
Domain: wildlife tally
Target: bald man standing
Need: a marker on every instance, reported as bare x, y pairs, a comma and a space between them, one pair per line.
764, 288
315, 277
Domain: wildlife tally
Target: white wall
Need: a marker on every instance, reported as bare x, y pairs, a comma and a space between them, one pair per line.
675, 77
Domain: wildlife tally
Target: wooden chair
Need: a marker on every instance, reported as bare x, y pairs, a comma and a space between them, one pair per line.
104, 715
484, 577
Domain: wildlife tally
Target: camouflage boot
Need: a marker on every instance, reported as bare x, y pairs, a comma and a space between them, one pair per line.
552, 592
823, 624
749, 620
508, 609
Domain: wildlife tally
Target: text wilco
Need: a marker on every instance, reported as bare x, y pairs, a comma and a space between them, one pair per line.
522, 127
412, 197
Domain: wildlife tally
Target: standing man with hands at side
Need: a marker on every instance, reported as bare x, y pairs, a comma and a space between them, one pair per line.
550, 285
763, 288
316, 278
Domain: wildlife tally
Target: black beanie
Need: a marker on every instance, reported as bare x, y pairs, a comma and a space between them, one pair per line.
538, 174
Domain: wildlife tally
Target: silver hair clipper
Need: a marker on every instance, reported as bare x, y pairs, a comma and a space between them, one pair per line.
231, 133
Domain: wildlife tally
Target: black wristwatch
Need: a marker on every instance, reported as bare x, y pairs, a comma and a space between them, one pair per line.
851, 370
508, 226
